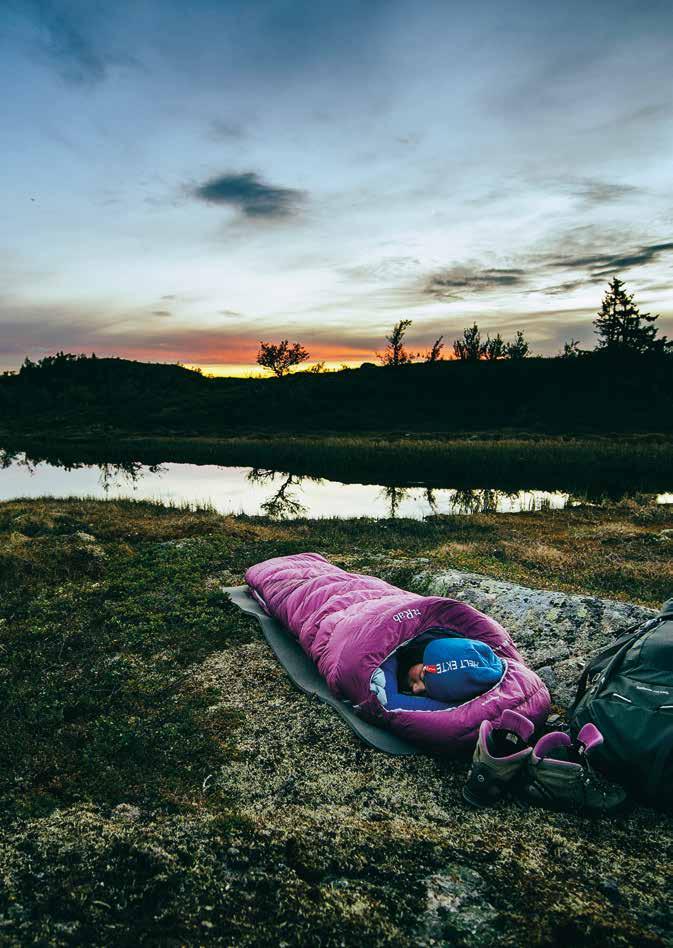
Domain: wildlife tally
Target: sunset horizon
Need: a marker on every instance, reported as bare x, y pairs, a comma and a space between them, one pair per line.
180, 188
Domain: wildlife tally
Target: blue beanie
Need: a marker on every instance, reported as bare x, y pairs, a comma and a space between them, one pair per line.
458, 669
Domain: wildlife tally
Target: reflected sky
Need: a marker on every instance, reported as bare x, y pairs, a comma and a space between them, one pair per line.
261, 492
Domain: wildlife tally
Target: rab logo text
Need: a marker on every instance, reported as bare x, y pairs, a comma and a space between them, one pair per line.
407, 614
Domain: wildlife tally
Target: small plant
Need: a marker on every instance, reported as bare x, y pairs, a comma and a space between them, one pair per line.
571, 349
435, 353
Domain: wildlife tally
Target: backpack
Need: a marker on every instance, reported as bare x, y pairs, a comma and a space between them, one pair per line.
627, 692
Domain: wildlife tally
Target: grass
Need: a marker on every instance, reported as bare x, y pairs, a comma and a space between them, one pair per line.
162, 783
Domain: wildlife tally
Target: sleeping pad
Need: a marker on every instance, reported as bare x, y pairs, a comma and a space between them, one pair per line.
351, 625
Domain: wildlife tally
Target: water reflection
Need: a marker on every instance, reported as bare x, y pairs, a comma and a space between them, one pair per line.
265, 491
110, 475
280, 505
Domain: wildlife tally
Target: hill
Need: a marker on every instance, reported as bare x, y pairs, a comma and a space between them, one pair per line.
590, 394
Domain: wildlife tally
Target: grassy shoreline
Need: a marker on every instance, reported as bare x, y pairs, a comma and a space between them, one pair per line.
162, 783
598, 466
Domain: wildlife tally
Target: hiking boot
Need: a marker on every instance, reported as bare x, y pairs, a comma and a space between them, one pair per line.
559, 775
499, 759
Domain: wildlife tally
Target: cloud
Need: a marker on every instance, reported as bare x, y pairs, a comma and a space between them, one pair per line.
161, 312
220, 131
454, 280
560, 289
64, 41
249, 194
595, 193
603, 264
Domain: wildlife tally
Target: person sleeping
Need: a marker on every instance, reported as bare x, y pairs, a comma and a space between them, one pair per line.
447, 668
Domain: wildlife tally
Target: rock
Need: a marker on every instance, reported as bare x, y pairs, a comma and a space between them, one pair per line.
550, 628
457, 911
548, 676
610, 888
126, 811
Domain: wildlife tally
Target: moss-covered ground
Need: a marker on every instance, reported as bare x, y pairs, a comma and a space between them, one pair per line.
162, 783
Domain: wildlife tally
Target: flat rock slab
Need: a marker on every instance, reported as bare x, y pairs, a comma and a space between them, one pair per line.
556, 632
457, 911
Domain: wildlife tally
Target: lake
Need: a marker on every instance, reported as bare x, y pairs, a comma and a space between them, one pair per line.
256, 491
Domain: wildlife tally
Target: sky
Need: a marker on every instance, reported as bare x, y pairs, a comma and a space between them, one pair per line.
180, 181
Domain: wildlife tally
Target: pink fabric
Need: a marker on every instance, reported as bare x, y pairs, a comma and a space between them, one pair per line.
350, 623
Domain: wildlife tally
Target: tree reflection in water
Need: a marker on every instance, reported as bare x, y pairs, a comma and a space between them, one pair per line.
130, 471
15, 458
281, 505
109, 472
470, 501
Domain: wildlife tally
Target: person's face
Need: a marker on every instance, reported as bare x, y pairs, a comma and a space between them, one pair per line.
415, 677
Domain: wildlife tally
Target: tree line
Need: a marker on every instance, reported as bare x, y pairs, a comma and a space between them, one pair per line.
619, 325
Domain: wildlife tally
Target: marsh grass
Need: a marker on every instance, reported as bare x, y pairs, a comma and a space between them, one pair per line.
162, 783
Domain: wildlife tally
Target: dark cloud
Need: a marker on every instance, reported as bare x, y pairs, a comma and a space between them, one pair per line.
252, 196
461, 279
161, 312
231, 313
604, 264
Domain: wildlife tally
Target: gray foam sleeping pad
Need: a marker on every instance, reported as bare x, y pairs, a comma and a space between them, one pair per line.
303, 673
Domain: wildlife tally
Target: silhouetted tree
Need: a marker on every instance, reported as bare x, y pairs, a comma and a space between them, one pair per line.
470, 348
519, 348
495, 348
280, 358
395, 353
571, 349
621, 327
435, 354
317, 368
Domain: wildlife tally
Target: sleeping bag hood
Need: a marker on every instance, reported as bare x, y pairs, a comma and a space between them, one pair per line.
351, 625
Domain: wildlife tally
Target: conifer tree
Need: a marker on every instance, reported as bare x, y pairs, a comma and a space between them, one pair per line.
470, 348
495, 348
621, 327
519, 348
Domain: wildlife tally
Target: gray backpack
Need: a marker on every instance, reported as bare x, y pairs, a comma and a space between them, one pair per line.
627, 692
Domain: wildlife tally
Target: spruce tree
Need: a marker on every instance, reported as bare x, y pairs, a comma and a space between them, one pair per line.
519, 348
470, 348
621, 327
495, 348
